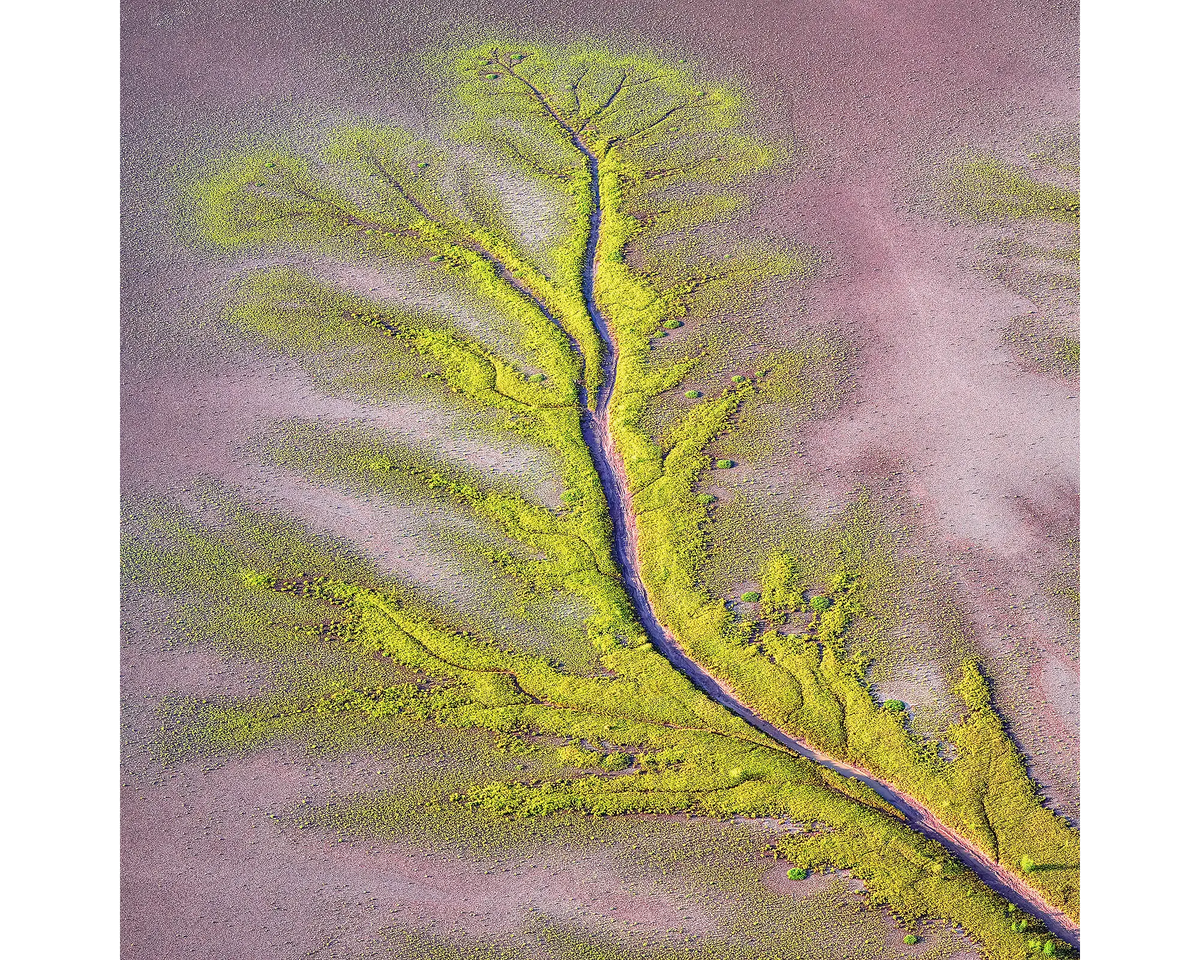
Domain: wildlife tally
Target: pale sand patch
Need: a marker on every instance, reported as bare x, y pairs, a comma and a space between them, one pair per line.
217, 877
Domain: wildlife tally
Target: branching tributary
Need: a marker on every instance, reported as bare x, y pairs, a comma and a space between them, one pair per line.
597, 434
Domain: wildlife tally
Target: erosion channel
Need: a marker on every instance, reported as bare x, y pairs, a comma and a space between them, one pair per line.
598, 436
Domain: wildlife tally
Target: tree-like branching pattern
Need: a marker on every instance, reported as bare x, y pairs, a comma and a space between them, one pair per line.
635, 156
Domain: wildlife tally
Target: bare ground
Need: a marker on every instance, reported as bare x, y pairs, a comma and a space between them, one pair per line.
208, 873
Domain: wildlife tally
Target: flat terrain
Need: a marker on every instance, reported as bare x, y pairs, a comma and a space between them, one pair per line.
926, 449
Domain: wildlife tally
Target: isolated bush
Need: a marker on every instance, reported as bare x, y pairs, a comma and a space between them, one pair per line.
911, 938
797, 873
673, 324
616, 761
724, 464
751, 596
692, 394
894, 704
257, 581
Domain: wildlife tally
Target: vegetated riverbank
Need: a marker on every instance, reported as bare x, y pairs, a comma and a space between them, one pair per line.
599, 439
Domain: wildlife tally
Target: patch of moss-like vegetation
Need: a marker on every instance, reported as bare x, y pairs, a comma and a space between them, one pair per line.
1036, 204
990, 189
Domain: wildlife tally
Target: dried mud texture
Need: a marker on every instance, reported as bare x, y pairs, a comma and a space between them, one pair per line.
940, 943
185, 424
209, 873
214, 863
987, 449
214, 866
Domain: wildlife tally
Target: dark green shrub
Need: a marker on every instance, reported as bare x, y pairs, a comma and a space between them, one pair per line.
693, 394
673, 324
911, 938
1027, 864
1048, 948
616, 761
751, 596
704, 499
797, 873
820, 604
724, 464
896, 705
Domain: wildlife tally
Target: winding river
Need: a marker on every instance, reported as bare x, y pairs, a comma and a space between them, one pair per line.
598, 436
